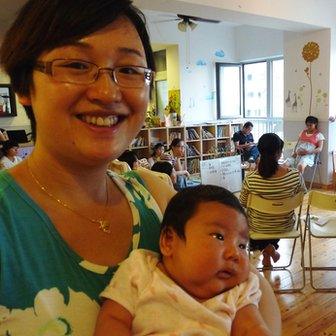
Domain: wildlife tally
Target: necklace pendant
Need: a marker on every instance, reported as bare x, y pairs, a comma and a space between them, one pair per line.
104, 225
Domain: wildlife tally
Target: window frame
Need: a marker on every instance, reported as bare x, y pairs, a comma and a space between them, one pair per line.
269, 119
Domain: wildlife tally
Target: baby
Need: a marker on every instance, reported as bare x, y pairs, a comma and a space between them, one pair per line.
201, 283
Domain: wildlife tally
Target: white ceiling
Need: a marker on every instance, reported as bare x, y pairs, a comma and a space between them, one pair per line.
159, 9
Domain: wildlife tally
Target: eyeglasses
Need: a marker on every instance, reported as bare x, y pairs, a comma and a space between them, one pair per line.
76, 71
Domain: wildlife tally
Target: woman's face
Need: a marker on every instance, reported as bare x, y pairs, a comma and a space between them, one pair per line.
178, 150
310, 127
95, 122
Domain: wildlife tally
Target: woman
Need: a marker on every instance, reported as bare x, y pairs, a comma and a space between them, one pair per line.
271, 181
158, 151
10, 157
76, 222
309, 144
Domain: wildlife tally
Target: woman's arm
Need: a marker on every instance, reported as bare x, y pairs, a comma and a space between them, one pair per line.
268, 305
249, 322
318, 148
113, 319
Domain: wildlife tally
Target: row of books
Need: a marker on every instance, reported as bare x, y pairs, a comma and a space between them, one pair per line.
138, 142
191, 150
192, 134
207, 134
174, 135
222, 132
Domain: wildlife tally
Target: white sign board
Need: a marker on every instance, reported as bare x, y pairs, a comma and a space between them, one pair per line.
225, 172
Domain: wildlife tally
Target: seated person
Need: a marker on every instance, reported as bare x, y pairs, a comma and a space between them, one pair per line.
271, 181
130, 158
10, 156
309, 144
244, 143
158, 151
166, 168
201, 282
175, 154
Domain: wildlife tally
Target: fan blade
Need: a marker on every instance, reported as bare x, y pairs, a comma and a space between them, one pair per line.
161, 21
196, 18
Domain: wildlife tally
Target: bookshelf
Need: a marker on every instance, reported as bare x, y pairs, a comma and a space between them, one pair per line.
203, 142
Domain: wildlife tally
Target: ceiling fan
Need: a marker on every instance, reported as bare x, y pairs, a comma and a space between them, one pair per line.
186, 21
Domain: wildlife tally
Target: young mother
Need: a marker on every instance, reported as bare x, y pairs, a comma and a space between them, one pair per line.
82, 69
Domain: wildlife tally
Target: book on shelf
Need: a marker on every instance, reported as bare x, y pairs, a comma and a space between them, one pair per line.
192, 134
207, 134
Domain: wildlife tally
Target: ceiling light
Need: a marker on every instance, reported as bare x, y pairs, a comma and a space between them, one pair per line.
182, 26
192, 25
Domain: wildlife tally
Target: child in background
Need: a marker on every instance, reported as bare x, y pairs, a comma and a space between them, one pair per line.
200, 284
166, 168
130, 158
158, 153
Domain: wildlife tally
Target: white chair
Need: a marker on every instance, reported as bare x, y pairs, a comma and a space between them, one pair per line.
279, 207
320, 227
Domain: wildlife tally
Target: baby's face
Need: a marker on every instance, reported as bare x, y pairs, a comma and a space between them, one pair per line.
213, 257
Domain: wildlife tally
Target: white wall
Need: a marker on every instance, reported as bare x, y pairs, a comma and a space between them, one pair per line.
253, 43
197, 68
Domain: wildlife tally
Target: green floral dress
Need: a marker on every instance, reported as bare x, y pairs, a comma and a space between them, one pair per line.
46, 289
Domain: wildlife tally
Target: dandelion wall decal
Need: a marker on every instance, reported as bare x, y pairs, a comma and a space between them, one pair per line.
310, 53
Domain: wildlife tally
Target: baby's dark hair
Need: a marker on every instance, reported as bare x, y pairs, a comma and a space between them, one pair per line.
184, 204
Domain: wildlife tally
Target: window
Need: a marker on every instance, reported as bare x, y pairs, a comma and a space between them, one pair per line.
228, 77
258, 87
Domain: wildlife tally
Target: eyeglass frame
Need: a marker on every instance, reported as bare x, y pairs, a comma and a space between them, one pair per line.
46, 68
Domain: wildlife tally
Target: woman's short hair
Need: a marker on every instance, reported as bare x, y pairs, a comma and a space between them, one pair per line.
311, 120
44, 25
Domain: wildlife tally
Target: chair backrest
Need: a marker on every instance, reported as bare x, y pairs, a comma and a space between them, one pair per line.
322, 200
276, 207
333, 153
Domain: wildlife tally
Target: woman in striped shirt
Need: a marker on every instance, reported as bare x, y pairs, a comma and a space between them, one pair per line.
271, 181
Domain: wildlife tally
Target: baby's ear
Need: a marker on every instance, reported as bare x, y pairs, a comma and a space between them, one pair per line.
167, 241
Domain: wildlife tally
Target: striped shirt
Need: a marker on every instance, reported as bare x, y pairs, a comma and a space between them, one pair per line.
271, 188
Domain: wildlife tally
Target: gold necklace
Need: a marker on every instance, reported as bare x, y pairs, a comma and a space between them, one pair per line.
104, 224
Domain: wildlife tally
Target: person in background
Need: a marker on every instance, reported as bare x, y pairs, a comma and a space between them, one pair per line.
201, 281
158, 153
130, 158
3, 135
77, 220
10, 156
271, 181
174, 155
309, 144
244, 143
166, 168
